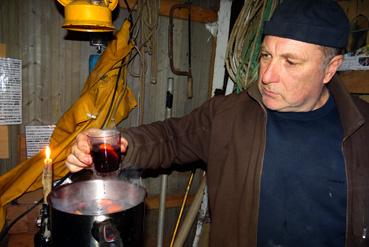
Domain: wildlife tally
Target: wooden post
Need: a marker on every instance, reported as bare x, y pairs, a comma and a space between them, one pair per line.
221, 47
4, 129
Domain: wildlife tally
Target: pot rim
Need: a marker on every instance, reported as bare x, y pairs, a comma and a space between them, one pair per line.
68, 197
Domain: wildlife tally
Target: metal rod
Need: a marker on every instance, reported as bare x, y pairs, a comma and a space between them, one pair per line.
170, 38
170, 46
163, 192
189, 77
189, 37
164, 178
182, 208
190, 215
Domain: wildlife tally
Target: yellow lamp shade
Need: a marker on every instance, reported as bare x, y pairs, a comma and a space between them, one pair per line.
88, 15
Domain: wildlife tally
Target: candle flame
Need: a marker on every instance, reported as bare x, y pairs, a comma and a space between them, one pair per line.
48, 152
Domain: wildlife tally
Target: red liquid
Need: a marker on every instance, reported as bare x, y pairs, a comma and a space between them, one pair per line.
106, 157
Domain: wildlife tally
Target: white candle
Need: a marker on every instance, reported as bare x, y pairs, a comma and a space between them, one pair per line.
47, 173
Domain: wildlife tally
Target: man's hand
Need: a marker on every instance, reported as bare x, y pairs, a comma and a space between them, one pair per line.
80, 156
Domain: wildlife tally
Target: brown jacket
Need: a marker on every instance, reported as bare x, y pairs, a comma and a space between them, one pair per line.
228, 133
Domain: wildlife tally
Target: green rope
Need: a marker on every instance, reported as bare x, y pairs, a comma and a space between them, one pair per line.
249, 64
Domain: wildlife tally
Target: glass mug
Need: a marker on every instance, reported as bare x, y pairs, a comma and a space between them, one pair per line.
105, 151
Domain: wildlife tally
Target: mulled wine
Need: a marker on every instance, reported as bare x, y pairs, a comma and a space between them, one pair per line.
106, 157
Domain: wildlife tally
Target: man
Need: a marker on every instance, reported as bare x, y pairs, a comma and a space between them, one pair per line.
288, 159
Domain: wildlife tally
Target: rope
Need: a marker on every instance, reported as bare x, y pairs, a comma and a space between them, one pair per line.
147, 21
244, 43
144, 34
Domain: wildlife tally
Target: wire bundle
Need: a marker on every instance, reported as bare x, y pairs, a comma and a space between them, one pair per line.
144, 34
244, 42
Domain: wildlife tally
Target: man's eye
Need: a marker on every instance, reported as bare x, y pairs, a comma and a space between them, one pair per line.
291, 62
264, 55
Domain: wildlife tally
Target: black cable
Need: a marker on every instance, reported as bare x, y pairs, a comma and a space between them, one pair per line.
5, 231
7, 228
129, 11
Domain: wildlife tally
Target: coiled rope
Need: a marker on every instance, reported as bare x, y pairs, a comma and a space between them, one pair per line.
244, 43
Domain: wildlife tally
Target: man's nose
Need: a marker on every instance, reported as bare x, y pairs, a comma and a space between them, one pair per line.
270, 73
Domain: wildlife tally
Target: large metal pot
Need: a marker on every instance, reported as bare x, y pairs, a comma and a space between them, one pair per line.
97, 213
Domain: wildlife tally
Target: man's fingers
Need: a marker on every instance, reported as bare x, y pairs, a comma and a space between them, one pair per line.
82, 153
82, 143
73, 164
123, 144
79, 157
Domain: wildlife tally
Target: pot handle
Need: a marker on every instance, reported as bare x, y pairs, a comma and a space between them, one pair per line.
106, 234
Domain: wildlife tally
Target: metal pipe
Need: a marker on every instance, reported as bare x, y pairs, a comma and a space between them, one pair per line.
164, 178
163, 192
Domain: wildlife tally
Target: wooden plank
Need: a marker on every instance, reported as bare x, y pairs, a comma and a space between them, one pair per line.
4, 129
4, 142
171, 201
356, 81
2, 50
22, 149
198, 14
353, 9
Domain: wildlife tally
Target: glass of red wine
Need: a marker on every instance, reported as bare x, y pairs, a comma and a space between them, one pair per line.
105, 151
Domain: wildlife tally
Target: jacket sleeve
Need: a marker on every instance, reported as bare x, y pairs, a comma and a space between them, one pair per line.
175, 140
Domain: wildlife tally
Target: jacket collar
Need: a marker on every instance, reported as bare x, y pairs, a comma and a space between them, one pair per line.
254, 92
351, 118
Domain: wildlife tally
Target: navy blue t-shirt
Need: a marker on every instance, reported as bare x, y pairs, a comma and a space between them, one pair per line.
303, 185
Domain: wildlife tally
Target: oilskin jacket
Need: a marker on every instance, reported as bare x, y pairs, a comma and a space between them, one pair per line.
228, 133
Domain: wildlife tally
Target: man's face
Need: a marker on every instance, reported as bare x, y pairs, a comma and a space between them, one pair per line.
292, 75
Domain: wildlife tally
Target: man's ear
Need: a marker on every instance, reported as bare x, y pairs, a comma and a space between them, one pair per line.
332, 67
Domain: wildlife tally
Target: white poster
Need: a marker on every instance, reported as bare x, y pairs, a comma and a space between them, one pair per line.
10, 91
37, 138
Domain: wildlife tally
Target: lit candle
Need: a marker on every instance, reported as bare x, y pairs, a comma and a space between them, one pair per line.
47, 161
47, 174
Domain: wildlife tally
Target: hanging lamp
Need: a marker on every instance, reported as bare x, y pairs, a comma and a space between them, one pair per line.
88, 15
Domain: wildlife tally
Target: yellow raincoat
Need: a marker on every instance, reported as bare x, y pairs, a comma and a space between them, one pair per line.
89, 111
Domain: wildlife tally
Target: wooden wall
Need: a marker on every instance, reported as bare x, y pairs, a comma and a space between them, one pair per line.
55, 67
354, 9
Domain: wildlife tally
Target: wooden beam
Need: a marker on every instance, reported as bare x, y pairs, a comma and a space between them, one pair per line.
4, 129
22, 149
198, 14
171, 201
2, 50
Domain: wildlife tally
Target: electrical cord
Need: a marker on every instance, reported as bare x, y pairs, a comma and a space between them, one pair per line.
8, 227
129, 10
